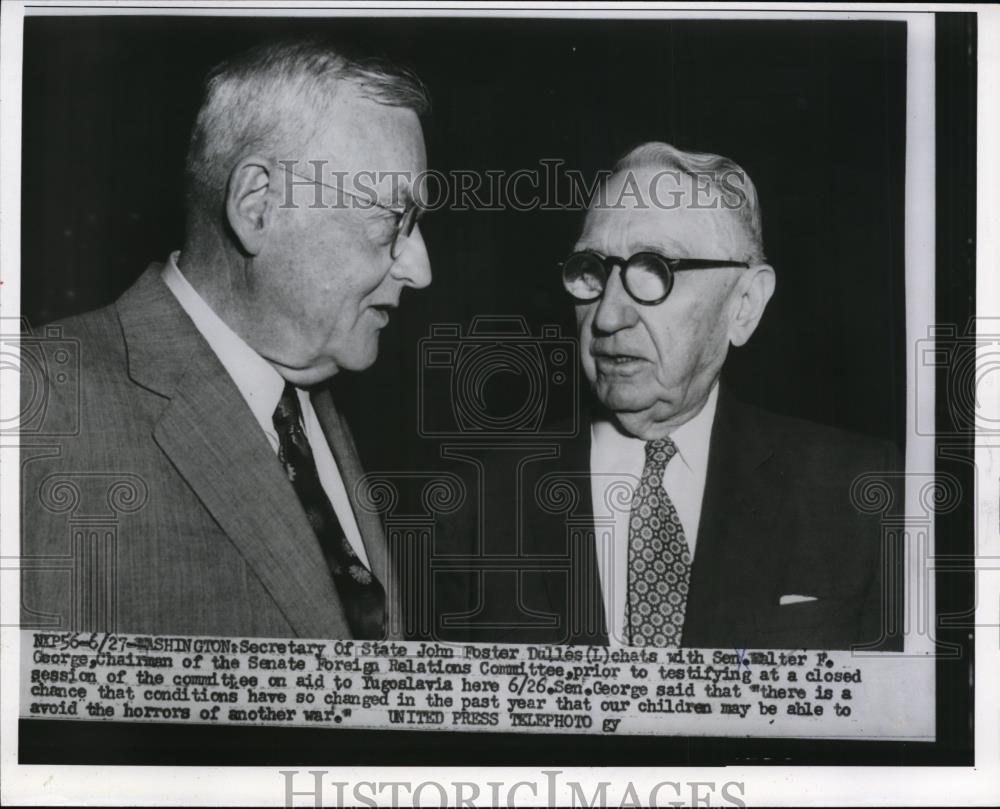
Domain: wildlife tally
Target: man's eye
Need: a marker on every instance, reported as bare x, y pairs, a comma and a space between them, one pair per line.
385, 224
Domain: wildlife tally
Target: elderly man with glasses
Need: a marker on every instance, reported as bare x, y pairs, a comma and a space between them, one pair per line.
204, 394
679, 516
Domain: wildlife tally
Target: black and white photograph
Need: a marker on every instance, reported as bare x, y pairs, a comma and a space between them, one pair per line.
411, 389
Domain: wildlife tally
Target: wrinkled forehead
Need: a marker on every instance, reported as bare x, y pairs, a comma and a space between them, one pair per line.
366, 139
661, 210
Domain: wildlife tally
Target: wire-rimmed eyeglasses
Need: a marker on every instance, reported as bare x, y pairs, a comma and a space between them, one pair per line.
406, 217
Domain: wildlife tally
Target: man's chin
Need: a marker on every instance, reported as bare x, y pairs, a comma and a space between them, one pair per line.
308, 377
643, 417
624, 398
360, 361
643, 424
326, 369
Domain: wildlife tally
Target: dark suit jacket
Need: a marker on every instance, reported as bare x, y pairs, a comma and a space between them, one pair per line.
777, 519
151, 499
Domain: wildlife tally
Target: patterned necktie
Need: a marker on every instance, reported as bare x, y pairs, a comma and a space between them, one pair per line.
360, 592
659, 562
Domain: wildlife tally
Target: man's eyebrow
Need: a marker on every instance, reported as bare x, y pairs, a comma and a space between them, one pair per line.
402, 187
658, 247
393, 192
404, 197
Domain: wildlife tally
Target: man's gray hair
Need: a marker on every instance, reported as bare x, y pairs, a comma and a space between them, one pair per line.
271, 98
724, 178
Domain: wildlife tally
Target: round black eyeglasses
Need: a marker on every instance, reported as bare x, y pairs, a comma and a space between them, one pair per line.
647, 277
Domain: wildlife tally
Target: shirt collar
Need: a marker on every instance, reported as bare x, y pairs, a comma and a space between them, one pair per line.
257, 380
620, 450
693, 436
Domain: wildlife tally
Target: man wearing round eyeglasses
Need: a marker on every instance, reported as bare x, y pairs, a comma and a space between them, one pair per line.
203, 388
740, 530
678, 516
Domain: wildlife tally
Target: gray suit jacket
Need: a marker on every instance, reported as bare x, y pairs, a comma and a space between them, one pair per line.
151, 499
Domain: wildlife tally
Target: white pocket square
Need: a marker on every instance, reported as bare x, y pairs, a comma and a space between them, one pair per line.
794, 599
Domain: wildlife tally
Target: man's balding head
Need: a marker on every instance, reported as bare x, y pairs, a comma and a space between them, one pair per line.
303, 272
271, 99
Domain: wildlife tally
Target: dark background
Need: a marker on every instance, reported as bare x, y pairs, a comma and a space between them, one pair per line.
814, 111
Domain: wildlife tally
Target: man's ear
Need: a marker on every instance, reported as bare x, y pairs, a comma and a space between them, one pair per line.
753, 291
249, 206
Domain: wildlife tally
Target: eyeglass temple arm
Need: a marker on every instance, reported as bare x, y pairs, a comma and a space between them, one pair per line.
707, 264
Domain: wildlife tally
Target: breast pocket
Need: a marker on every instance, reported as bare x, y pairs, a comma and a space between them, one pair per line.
820, 624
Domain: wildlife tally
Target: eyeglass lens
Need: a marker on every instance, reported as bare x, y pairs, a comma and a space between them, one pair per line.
407, 221
646, 277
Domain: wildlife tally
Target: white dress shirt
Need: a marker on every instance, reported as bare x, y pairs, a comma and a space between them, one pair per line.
616, 462
261, 386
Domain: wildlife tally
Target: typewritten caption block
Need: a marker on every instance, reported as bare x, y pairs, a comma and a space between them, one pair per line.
481, 687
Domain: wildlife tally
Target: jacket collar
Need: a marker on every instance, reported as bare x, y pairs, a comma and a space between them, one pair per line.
211, 437
740, 553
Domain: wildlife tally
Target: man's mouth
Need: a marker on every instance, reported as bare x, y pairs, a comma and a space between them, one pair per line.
612, 362
382, 311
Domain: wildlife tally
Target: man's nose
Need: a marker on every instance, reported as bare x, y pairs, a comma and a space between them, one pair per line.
616, 309
412, 266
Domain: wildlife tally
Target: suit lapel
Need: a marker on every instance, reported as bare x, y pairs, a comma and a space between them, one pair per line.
738, 556
211, 437
345, 453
